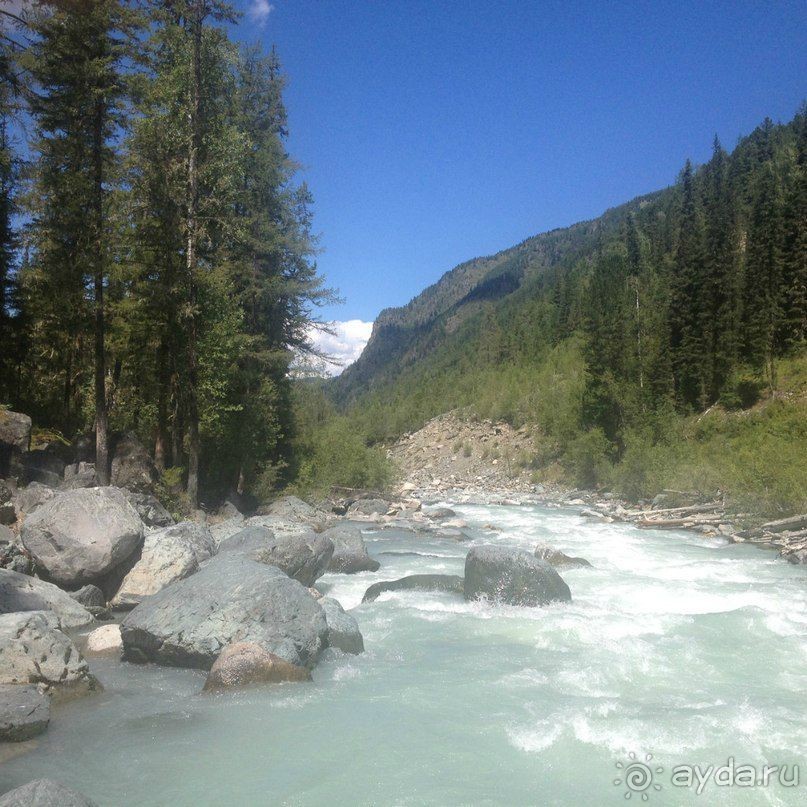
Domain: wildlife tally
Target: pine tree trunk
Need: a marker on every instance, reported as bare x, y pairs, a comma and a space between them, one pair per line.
193, 211
101, 414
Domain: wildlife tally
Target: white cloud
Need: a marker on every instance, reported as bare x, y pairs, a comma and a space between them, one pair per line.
344, 345
259, 11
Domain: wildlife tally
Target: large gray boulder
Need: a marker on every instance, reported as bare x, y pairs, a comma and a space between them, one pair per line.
45, 793
79, 475
15, 431
349, 551
80, 535
560, 560
132, 467
368, 507
512, 576
292, 509
19, 592
89, 596
233, 598
343, 630
170, 554
149, 508
27, 499
24, 712
33, 650
451, 583
222, 530
304, 556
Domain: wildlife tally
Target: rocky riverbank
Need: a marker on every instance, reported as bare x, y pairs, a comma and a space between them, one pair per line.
453, 458
89, 571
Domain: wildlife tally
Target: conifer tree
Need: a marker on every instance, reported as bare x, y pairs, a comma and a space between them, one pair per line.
718, 306
685, 321
75, 61
763, 272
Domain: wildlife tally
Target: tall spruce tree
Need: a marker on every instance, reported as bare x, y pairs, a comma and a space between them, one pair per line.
763, 276
686, 303
718, 304
75, 61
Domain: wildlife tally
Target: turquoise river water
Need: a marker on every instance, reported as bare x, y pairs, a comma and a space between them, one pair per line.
677, 647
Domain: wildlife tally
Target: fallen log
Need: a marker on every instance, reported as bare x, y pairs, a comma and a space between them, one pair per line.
783, 524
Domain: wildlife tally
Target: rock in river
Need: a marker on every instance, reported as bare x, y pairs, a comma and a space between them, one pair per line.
45, 793
80, 535
349, 551
168, 555
232, 598
104, 641
512, 576
303, 556
554, 557
34, 651
19, 592
343, 630
246, 663
416, 582
24, 712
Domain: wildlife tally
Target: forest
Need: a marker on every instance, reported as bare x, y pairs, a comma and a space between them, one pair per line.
661, 345
157, 262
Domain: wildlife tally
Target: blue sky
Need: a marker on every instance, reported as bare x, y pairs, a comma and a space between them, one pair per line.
433, 132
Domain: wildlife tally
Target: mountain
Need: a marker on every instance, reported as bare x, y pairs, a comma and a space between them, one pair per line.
404, 336
661, 345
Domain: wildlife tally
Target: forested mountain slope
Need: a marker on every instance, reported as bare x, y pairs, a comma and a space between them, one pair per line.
612, 334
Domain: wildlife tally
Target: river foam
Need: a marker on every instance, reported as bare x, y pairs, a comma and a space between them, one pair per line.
673, 645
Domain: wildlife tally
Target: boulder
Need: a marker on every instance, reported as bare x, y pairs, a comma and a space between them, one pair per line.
132, 467
368, 507
149, 508
19, 592
349, 551
439, 513
104, 641
343, 630
13, 554
80, 535
451, 583
15, 431
222, 530
554, 557
512, 576
79, 475
246, 663
45, 793
27, 499
304, 557
24, 712
89, 596
292, 509
34, 651
231, 598
8, 515
169, 554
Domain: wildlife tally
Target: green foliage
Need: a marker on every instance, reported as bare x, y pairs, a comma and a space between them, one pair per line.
611, 336
167, 262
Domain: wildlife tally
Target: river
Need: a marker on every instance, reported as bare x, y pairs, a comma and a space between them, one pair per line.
675, 646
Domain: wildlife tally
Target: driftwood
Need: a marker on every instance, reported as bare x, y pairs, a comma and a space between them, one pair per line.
786, 524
